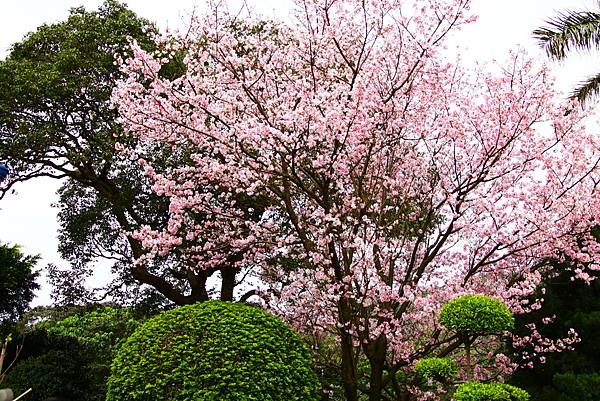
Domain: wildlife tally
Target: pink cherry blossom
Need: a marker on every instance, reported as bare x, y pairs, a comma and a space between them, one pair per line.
396, 179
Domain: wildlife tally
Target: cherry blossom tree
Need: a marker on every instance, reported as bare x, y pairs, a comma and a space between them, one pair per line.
396, 180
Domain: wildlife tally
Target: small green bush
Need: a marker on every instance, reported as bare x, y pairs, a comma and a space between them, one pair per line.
476, 314
213, 351
101, 330
438, 369
475, 391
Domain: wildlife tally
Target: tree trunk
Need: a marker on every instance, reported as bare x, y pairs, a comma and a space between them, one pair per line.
227, 283
468, 355
349, 368
348, 358
376, 352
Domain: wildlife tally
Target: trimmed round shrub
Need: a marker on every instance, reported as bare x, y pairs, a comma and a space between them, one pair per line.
476, 314
438, 369
213, 351
475, 391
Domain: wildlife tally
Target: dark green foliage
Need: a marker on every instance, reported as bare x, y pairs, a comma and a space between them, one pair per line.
55, 89
55, 373
71, 357
213, 351
475, 391
476, 314
574, 387
17, 283
437, 369
569, 375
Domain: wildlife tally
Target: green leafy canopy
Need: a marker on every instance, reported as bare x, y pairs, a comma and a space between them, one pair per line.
213, 351
476, 314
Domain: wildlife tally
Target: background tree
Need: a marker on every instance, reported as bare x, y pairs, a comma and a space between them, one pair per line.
56, 120
17, 289
568, 31
17, 283
402, 180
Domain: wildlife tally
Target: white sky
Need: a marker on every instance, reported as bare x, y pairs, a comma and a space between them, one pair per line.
26, 218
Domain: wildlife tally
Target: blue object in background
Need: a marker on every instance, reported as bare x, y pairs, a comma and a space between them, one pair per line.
3, 172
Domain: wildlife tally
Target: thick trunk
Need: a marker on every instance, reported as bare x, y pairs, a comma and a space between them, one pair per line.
349, 368
198, 285
348, 356
376, 352
227, 283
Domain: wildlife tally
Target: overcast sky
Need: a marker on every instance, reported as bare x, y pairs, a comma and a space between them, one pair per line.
27, 218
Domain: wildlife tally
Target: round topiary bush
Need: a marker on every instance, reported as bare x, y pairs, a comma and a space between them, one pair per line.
438, 369
213, 351
476, 314
475, 391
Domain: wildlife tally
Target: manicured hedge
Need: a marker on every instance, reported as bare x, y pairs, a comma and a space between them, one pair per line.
476, 314
213, 351
475, 391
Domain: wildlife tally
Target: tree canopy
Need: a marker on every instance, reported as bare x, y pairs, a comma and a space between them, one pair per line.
17, 282
56, 120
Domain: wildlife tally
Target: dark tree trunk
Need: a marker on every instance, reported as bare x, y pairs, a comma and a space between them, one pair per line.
348, 356
349, 368
376, 353
227, 283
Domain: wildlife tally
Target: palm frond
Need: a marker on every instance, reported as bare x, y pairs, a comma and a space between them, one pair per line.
587, 90
570, 30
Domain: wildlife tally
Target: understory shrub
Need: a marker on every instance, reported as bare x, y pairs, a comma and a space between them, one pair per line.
437, 369
71, 357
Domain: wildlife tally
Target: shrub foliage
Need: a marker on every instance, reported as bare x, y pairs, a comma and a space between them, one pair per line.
213, 351
475, 391
476, 314
438, 369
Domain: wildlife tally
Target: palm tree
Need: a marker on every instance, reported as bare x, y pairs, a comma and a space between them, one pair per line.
573, 30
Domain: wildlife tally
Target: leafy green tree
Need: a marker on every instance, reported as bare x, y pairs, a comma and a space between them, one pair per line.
17, 283
439, 370
573, 30
474, 316
56, 120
